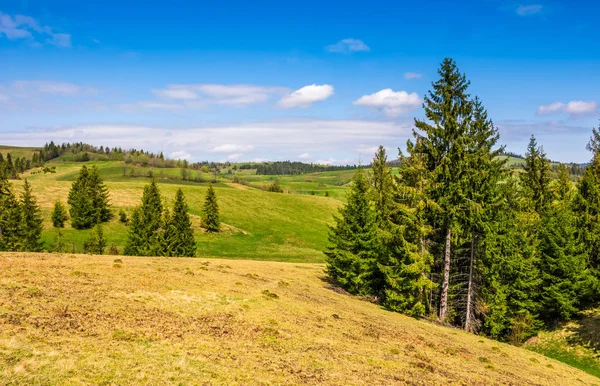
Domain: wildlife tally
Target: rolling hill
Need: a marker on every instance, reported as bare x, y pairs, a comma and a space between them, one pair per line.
80, 319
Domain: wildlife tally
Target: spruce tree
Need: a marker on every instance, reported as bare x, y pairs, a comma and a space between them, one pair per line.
381, 185
210, 212
587, 207
80, 202
96, 243
179, 235
99, 195
536, 177
10, 216
354, 251
441, 141
407, 261
145, 231
59, 215
88, 199
31, 221
508, 269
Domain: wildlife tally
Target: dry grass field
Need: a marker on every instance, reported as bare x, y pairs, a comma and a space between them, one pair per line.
79, 319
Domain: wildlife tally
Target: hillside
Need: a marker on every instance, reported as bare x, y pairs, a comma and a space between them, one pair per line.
79, 319
258, 224
576, 342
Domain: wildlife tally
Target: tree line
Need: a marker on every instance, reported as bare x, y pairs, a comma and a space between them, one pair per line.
458, 236
293, 168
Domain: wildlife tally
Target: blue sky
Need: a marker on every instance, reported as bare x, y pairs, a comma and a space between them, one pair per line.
291, 80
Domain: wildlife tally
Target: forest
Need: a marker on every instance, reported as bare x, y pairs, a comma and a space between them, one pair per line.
459, 237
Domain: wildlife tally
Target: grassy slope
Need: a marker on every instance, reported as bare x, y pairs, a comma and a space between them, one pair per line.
78, 319
576, 343
259, 225
15, 152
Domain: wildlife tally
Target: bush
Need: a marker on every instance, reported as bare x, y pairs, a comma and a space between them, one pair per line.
275, 187
123, 217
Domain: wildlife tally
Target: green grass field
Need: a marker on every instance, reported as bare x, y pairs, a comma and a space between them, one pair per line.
15, 152
257, 224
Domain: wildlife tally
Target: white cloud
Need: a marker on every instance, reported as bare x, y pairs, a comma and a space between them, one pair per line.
231, 147
306, 96
393, 103
40, 93
304, 156
581, 107
230, 95
233, 157
273, 140
346, 46
527, 10
327, 161
181, 154
25, 27
412, 75
572, 107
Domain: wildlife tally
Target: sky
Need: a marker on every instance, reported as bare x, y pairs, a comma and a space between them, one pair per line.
314, 81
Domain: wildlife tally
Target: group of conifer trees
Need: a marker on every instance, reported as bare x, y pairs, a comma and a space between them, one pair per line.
157, 231
20, 219
459, 236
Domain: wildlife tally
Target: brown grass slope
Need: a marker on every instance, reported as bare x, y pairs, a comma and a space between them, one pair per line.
78, 319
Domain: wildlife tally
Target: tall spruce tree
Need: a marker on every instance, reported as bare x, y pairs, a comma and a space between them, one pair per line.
147, 225
210, 212
88, 199
441, 141
483, 172
536, 177
508, 268
587, 207
179, 235
407, 262
354, 250
31, 221
382, 186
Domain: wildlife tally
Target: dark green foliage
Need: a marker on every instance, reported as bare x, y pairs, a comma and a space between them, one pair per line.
210, 212
96, 243
275, 187
59, 215
123, 217
31, 221
10, 217
536, 178
355, 251
381, 186
562, 264
88, 199
179, 236
146, 227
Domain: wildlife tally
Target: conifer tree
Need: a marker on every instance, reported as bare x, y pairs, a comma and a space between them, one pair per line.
99, 195
59, 215
31, 221
562, 265
508, 267
80, 202
146, 225
354, 250
381, 185
587, 207
210, 212
10, 216
536, 177
96, 243
562, 186
407, 261
179, 236
442, 144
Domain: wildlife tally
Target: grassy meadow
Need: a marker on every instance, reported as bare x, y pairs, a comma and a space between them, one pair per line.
80, 319
257, 224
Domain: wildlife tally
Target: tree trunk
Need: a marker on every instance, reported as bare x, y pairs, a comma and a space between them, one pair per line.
444, 299
470, 289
